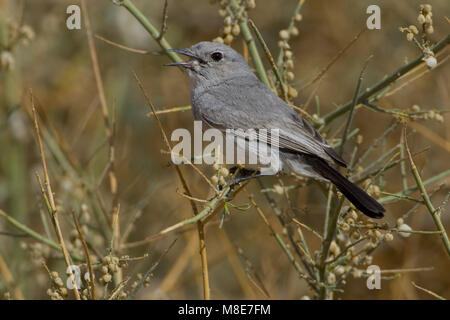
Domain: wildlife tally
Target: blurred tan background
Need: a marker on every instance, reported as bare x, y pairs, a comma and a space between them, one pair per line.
57, 66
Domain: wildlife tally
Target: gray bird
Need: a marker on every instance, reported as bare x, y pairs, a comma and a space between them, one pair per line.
226, 94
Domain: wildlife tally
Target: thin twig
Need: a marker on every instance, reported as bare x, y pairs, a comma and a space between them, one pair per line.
49, 193
435, 214
86, 253
385, 82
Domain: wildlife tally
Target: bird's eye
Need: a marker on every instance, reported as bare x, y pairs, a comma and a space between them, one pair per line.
217, 56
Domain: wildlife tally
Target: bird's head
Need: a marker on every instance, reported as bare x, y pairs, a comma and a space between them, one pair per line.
212, 62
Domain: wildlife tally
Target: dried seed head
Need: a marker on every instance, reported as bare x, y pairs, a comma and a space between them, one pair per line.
426, 8
298, 17
334, 248
227, 30
357, 273
378, 234
389, 236
7, 61
27, 32
222, 12
228, 20
331, 279
288, 54
339, 270
292, 93
345, 227
294, 31
400, 222
58, 282
224, 172
214, 179
290, 76
429, 29
236, 30
107, 278
409, 36
405, 227
218, 40
290, 64
439, 118
284, 35
228, 39
415, 108
421, 19
413, 29
251, 4
281, 44
428, 19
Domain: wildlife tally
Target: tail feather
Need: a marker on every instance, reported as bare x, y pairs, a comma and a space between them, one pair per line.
360, 199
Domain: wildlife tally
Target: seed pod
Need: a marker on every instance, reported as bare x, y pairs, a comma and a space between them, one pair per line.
236, 30
431, 62
421, 19
292, 93
405, 227
228, 39
415, 108
294, 31
388, 236
409, 36
227, 30
290, 76
290, 64
284, 35
413, 29
227, 21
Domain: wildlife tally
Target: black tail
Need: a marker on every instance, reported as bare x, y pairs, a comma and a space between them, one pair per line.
360, 199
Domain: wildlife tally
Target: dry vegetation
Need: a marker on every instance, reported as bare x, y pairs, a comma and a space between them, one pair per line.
85, 177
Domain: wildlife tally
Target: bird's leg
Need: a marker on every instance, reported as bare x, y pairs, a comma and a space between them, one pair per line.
244, 174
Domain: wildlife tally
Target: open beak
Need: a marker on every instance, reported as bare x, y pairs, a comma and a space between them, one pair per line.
185, 64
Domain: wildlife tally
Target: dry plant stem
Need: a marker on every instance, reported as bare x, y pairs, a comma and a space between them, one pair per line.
9, 279
35, 235
435, 213
289, 29
164, 21
282, 221
169, 110
118, 289
328, 237
428, 291
280, 241
385, 82
149, 271
270, 58
414, 188
246, 34
86, 253
108, 127
121, 46
200, 226
352, 108
127, 4
49, 193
